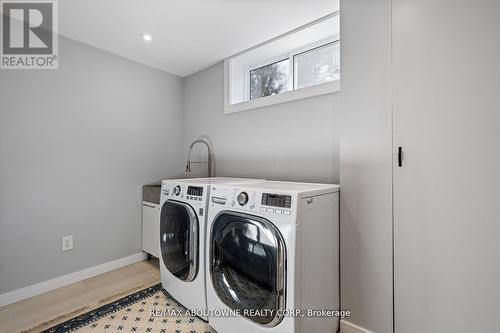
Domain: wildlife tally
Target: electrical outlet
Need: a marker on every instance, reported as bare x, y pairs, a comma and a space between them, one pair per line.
67, 243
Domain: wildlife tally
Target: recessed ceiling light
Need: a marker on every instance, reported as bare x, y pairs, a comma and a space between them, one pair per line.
147, 37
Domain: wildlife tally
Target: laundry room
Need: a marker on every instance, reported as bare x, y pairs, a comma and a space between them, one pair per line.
219, 166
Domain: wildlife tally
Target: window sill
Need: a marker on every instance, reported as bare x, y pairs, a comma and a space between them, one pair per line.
289, 96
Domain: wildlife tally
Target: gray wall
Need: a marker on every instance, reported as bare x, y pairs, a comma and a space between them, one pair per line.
366, 164
295, 141
76, 144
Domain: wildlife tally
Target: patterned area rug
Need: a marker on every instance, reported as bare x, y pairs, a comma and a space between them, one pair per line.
132, 313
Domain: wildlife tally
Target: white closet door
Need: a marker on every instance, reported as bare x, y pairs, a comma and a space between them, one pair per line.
446, 99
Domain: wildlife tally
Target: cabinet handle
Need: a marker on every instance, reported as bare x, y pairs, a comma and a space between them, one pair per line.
400, 157
148, 206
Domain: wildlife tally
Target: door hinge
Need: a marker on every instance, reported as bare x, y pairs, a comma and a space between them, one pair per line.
400, 157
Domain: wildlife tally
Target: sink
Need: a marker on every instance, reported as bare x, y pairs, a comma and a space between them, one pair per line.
151, 193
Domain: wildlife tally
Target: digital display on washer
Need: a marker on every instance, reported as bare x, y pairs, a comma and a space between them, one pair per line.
195, 190
277, 200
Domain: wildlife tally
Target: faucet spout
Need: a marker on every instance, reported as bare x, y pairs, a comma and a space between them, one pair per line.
209, 162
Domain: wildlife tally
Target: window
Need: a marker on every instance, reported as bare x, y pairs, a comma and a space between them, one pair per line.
300, 64
316, 65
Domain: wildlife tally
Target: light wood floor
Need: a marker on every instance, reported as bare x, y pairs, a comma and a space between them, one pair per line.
45, 310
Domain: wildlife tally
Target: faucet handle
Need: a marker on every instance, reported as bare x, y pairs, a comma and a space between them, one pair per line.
188, 166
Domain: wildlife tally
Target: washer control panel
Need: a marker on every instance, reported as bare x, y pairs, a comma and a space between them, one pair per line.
192, 194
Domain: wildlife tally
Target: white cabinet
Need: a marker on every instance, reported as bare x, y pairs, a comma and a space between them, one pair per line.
446, 84
151, 228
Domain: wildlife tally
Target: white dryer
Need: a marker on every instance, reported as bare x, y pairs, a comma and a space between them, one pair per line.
182, 236
273, 249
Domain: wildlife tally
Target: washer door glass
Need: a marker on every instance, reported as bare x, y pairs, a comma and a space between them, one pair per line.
179, 239
247, 258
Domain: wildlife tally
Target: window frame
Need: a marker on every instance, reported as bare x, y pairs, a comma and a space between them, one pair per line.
238, 66
292, 78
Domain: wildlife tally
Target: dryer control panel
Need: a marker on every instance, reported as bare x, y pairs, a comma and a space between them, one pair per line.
259, 202
276, 203
277, 200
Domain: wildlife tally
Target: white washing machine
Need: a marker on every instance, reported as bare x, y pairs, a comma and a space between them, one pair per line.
183, 216
273, 247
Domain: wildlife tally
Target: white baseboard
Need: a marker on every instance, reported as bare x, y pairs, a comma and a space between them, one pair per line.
61, 281
347, 327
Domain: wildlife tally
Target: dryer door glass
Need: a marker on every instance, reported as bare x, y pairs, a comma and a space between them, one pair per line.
247, 258
179, 239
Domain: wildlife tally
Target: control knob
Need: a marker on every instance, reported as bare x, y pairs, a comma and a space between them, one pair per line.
177, 190
242, 198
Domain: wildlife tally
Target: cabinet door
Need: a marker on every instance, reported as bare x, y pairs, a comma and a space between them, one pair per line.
446, 95
150, 229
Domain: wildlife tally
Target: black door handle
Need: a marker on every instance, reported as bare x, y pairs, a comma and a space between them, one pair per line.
400, 157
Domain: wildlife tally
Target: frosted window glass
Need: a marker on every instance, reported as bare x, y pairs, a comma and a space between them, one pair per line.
317, 66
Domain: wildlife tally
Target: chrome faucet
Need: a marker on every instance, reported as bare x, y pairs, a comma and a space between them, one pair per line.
209, 162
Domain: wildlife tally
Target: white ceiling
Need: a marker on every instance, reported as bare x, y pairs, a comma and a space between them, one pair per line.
188, 35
